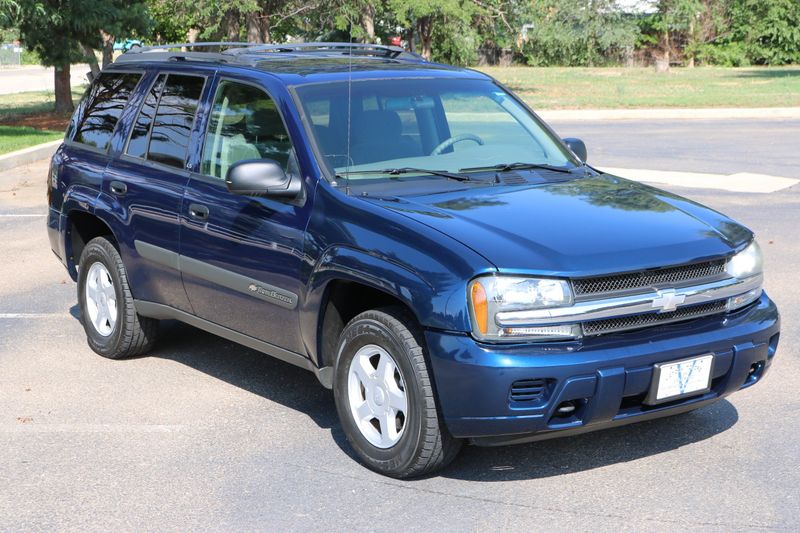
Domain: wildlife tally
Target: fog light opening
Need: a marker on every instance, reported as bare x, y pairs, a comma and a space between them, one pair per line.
566, 409
754, 374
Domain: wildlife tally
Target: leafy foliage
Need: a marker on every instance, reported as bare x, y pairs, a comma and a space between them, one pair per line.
578, 33
769, 32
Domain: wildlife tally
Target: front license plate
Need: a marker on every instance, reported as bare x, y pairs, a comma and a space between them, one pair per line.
680, 378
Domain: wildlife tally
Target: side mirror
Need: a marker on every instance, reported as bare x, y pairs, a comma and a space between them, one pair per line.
577, 146
261, 177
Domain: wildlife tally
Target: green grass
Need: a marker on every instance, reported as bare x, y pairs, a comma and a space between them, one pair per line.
32, 102
18, 137
611, 88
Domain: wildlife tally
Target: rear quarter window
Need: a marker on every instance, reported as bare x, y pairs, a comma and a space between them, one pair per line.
104, 104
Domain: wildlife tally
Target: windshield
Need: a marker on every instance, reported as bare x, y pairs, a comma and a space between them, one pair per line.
436, 124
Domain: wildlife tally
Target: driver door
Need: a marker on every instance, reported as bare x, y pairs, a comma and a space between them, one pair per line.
241, 255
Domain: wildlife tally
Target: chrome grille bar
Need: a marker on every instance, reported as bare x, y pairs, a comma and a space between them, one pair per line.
654, 301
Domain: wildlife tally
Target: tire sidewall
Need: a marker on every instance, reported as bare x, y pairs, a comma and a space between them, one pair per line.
356, 336
96, 253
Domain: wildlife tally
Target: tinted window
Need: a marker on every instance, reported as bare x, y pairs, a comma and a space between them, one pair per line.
244, 124
106, 100
137, 145
169, 135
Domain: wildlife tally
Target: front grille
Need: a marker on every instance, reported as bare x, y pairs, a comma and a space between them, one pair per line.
528, 390
671, 276
610, 325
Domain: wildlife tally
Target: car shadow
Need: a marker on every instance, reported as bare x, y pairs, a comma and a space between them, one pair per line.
253, 371
299, 390
588, 451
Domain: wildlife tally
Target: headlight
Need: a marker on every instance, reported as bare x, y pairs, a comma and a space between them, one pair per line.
746, 264
489, 295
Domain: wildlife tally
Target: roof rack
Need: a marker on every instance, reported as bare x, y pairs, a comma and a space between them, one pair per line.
250, 53
156, 47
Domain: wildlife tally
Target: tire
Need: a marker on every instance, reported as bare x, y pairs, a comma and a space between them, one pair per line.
113, 329
419, 443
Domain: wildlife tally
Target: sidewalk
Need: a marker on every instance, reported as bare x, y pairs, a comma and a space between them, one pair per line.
35, 78
715, 113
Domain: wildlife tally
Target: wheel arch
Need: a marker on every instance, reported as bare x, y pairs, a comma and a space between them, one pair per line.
81, 227
347, 282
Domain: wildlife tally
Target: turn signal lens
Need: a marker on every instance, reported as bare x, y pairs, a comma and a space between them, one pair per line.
480, 307
492, 294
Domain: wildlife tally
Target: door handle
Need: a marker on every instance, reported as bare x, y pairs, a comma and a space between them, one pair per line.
118, 188
197, 211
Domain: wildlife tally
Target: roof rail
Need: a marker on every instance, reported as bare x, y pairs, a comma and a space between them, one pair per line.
354, 48
248, 53
157, 47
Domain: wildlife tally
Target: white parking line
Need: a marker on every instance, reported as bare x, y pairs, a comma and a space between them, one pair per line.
33, 427
32, 315
739, 182
22, 215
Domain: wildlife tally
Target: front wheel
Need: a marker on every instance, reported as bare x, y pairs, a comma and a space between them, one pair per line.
385, 398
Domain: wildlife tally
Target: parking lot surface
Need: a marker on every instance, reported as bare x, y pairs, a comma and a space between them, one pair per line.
206, 435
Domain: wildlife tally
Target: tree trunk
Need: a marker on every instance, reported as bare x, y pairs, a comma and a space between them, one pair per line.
231, 26
63, 90
368, 23
412, 46
255, 27
108, 48
424, 27
662, 65
692, 42
88, 51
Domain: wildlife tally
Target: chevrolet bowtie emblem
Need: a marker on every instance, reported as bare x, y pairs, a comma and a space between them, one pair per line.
666, 300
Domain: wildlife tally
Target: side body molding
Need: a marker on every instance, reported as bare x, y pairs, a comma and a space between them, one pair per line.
220, 276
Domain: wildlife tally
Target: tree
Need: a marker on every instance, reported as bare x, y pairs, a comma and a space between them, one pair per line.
61, 32
677, 16
578, 32
423, 16
768, 31
256, 21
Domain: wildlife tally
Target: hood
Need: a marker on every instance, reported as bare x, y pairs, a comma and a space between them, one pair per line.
581, 227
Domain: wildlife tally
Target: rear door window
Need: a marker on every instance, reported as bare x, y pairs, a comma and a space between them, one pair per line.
172, 125
140, 135
106, 99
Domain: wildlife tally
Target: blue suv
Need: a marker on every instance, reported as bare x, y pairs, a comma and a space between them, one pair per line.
410, 232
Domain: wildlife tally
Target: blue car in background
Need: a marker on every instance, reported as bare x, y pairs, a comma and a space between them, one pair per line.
411, 233
127, 44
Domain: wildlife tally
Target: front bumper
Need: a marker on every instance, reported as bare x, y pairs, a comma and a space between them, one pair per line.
606, 377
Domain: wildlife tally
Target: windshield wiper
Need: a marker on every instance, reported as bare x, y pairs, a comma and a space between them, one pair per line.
506, 167
407, 170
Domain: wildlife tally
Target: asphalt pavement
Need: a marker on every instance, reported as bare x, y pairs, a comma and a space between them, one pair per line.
207, 435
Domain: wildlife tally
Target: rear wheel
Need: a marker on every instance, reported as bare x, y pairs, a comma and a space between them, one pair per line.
113, 328
385, 398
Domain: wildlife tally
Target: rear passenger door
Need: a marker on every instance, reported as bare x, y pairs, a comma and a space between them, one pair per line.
85, 155
241, 255
146, 181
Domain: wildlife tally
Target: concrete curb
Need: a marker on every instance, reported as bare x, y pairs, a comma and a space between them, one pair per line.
715, 113
28, 155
